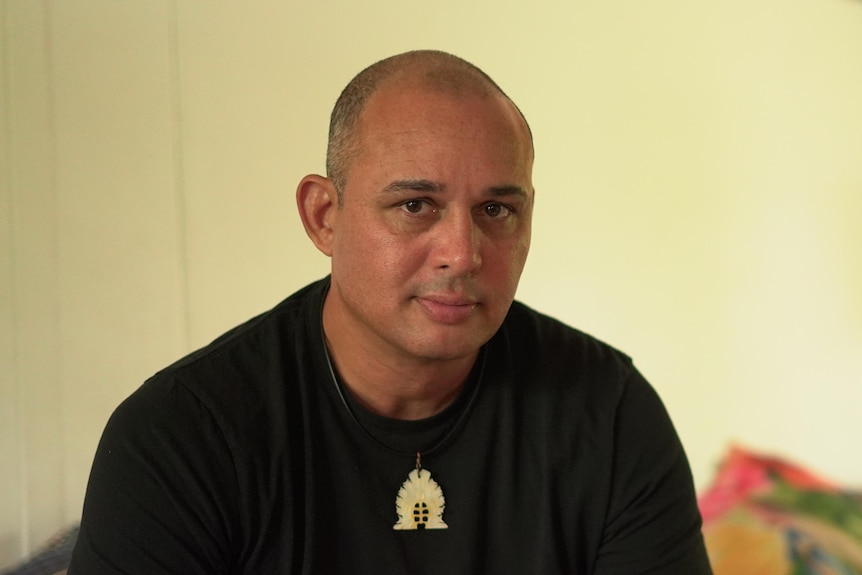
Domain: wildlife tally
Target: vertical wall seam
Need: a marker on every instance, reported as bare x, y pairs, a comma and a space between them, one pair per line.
180, 199
56, 303
20, 452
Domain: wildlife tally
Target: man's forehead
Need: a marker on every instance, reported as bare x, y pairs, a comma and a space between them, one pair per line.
396, 107
400, 109
420, 93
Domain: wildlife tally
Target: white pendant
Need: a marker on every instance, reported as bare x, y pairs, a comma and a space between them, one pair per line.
420, 503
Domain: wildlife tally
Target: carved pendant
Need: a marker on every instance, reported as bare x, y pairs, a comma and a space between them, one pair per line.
420, 502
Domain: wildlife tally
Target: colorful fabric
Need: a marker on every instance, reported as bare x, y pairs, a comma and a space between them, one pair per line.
766, 516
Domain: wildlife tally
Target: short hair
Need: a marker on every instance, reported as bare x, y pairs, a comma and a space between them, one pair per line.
436, 70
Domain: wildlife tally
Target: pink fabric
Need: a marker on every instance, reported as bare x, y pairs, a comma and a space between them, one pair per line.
764, 515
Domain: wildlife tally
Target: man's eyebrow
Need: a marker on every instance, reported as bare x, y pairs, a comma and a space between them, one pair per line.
501, 191
430, 186
413, 186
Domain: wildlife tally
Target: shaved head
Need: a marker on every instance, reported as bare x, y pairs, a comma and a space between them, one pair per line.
424, 69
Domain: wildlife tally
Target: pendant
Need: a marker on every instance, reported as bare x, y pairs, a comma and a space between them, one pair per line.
420, 501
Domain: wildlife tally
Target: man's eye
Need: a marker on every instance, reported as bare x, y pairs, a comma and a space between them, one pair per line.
497, 210
413, 206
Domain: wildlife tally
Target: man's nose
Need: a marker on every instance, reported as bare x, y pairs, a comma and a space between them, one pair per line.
457, 245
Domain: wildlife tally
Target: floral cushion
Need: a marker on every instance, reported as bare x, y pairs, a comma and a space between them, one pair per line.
767, 516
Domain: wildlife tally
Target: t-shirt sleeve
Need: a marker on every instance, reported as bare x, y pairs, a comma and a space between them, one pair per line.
653, 524
162, 490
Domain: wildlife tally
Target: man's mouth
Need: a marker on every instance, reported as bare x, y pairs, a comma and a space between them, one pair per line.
447, 309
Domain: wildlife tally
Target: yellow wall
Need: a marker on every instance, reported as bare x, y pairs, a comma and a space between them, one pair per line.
699, 179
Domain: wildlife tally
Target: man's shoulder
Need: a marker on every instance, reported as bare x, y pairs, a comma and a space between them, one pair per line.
533, 329
239, 380
241, 363
261, 335
572, 367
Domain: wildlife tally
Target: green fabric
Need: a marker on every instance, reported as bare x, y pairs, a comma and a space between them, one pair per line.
768, 516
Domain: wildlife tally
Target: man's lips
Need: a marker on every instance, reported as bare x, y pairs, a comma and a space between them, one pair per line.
447, 309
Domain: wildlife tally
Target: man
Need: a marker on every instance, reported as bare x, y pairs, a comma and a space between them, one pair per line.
402, 415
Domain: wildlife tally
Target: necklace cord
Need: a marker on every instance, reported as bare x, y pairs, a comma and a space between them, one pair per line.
451, 432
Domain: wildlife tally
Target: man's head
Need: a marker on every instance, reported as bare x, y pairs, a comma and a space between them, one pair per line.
427, 209
433, 70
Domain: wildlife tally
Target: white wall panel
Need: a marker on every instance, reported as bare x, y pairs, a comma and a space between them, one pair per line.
32, 384
120, 249
253, 126
11, 520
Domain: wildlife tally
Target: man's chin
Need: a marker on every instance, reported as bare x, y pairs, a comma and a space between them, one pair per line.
449, 347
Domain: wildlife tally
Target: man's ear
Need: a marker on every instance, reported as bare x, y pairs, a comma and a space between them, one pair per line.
317, 201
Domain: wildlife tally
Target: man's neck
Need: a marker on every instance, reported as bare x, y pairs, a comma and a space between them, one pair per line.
393, 385
402, 391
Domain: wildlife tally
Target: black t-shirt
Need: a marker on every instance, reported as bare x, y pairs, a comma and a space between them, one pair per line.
248, 457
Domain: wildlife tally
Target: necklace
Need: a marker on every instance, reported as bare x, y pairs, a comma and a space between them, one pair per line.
419, 503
